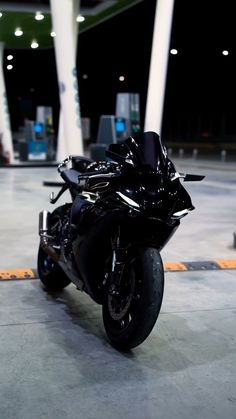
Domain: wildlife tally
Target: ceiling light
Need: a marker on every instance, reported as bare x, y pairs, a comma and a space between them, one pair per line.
34, 44
18, 32
53, 34
80, 18
10, 57
122, 78
225, 52
9, 67
39, 16
174, 51
85, 76
0, 14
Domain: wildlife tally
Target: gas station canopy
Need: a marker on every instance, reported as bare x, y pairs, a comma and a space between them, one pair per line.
23, 22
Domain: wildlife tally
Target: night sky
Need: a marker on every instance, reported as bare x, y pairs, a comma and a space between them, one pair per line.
201, 82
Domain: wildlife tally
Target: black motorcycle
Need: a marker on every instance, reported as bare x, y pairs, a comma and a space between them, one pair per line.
107, 241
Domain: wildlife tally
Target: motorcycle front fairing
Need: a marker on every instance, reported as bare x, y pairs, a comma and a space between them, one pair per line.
139, 197
151, 175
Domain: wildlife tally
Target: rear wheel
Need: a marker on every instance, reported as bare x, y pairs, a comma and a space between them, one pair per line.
50, 273
130, 315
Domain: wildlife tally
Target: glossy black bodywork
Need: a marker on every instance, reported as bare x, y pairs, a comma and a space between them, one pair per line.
134, 191
135, 194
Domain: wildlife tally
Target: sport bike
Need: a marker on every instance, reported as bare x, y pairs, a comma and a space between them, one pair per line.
107, 240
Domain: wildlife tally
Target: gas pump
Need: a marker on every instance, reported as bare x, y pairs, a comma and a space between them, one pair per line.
38, 142
127, 116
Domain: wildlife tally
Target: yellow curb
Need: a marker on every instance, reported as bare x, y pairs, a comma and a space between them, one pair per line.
174, 266
9, 274
227, 263
28, 273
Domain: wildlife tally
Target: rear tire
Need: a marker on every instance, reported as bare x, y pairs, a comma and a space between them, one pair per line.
130, 317
50, 273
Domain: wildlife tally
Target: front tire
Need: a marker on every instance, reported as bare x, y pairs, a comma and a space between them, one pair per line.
130, 316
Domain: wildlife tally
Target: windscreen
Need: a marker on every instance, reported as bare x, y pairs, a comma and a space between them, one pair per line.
144, 149
148, 149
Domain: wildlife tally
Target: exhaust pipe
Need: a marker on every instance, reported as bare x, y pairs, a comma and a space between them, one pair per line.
44, 237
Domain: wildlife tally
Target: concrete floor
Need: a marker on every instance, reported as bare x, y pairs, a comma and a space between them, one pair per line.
55, 360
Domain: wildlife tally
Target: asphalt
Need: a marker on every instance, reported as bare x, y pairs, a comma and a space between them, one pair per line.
55, 359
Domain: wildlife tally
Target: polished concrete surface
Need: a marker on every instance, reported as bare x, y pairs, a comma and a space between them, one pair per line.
55, 360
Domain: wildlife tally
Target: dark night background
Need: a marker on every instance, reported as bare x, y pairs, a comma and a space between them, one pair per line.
201, 87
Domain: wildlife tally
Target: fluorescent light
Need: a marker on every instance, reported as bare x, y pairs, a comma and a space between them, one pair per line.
174, 51
225, 52
18, 32
34, 44
10, 57
80, 18
39, 16
53, 34
9, 67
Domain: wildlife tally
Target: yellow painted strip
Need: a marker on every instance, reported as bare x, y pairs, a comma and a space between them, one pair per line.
174, 266
9, 274
27, 273
227, 263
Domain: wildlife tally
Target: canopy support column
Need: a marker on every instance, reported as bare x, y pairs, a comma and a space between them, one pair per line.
158, 65
5, 128
70, 133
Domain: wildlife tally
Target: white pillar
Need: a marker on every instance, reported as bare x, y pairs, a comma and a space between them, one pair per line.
62, 150
62, 147
158, 65
5, 129
63, 16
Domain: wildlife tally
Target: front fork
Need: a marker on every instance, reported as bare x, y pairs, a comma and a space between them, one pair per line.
118, 263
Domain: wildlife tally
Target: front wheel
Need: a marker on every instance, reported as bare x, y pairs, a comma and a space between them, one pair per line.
130, 315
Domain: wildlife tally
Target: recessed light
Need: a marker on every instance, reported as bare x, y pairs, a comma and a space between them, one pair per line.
122, 78
39, 16
10, 57
225, 52
18, 32
9, 66
53, 34
174, 51
34, 44
80, 18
